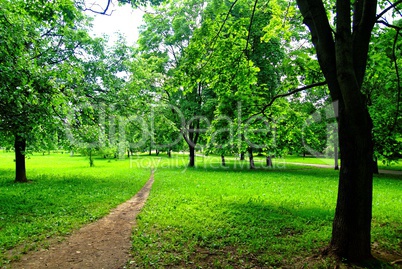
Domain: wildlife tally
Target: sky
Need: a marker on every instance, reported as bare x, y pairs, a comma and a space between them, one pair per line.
124, 19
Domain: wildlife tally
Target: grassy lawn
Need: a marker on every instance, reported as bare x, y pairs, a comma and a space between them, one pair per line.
64, 193
330, 161
236, 218
205, 217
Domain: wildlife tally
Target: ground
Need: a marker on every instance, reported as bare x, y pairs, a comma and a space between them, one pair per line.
107, 244
102, 244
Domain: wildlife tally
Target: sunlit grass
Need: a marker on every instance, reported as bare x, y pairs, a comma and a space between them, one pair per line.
211, 215
237, 218
63, 194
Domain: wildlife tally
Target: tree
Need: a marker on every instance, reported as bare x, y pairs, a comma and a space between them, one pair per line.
342, 54
38, 40
167, 36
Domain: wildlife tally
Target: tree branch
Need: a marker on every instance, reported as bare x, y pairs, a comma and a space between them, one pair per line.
397, 28
292, 92
104, 12
382, 13
398, 100
249, 27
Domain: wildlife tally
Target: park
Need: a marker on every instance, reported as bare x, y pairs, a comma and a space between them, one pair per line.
231, 134
208, 216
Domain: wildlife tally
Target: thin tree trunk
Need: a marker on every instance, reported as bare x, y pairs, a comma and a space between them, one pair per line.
269, 161
250, 154
91, 160
375, 166
242, 156
20, 170
223, 160
192, 156
336, 155
169, 153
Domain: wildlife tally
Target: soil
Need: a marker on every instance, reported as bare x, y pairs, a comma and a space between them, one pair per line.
105, 243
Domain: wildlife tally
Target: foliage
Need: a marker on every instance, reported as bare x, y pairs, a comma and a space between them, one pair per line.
383, 92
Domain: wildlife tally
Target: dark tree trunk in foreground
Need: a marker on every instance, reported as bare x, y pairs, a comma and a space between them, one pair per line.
223, 160
352, 223
242, 156
342, 56
20, 147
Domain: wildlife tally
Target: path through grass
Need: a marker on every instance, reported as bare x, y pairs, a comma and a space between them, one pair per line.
64, 193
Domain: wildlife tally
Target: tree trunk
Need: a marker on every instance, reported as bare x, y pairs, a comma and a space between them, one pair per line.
169, 153
157, 152
352, 223
223, 160
242, 156
336, 155
192, 156
20, 170
91, 160
269, 161
343, 57
250, 154
375, 166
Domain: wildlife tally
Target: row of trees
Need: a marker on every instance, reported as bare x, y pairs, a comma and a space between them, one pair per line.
229, 77
214, 54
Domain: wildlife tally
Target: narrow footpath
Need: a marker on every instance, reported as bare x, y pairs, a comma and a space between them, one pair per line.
105, 243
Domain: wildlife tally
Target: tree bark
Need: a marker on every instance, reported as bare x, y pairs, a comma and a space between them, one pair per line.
352, 222
336, 155
223, 160
251, 157
191, 162
269, 161
20, 170
342, 57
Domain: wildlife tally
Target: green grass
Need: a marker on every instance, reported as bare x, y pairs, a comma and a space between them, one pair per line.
205, 217
330, 161
63, 194
236, 218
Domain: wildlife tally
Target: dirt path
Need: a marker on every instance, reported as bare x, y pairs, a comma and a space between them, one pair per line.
103, 244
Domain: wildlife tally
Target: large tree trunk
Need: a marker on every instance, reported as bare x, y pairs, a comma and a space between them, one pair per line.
352, 222
20, 170
343, 57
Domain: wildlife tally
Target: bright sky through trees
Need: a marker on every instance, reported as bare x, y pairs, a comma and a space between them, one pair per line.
123, 19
